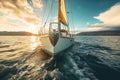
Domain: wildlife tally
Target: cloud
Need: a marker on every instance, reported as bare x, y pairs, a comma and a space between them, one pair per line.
3, 22
110, 20
37, 3
95, 28
111, 17
19, 10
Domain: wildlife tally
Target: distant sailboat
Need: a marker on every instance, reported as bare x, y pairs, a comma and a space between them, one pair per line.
59, 37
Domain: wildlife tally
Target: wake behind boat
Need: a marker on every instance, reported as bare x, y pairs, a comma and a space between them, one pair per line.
58, 38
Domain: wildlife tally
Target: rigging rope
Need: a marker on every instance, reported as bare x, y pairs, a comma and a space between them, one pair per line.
43, 17
43, 27
72, 20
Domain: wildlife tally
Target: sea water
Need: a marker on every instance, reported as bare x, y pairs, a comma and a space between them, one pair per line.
90, 58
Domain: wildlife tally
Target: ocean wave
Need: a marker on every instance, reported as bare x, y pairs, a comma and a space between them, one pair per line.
82, 61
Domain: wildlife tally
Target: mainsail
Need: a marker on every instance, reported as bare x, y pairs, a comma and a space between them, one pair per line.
62, 17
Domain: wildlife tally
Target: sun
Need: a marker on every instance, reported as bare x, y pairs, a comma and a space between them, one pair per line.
33, 29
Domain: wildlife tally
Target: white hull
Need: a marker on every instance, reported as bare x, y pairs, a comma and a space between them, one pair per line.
62, 44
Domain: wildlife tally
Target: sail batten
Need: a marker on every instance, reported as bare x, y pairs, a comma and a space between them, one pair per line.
62, 17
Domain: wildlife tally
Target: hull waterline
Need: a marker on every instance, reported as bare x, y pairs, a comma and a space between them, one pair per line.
62, 44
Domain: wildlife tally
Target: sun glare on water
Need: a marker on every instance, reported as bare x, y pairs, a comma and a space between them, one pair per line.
34, 42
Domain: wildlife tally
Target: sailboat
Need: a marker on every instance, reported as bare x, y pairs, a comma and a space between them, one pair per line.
59, 38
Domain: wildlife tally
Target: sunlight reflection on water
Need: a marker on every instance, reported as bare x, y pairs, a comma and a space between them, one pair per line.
13, 47
34, 42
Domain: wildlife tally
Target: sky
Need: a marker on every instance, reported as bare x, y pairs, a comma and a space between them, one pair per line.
83, 15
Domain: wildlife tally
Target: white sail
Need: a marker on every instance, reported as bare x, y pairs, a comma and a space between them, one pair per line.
62, 17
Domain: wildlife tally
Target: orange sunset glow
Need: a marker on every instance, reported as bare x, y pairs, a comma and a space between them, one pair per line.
18, 15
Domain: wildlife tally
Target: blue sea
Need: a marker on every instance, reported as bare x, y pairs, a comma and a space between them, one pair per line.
90, 58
